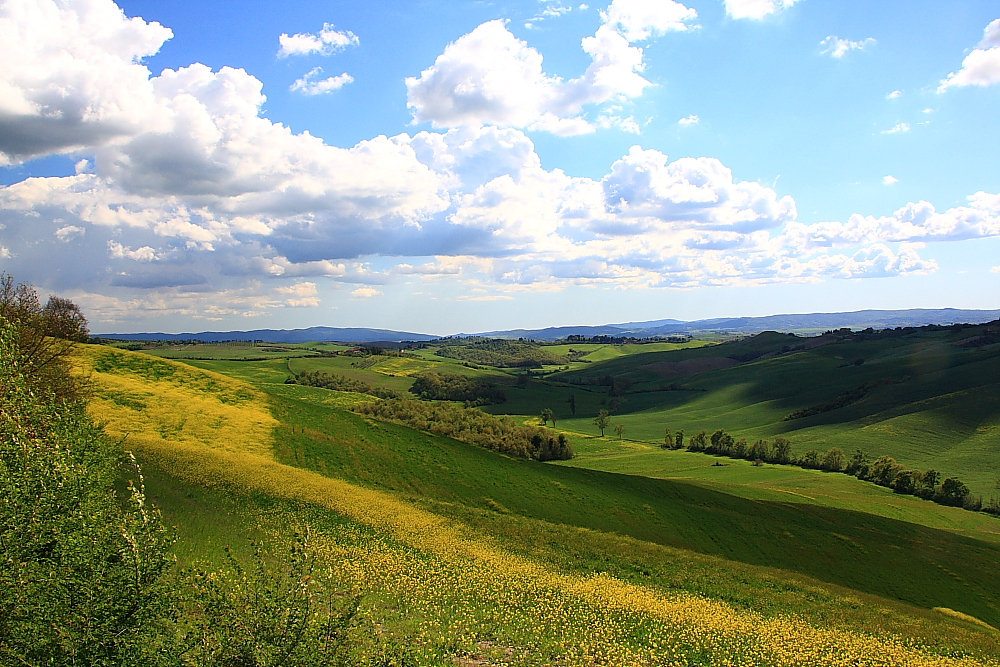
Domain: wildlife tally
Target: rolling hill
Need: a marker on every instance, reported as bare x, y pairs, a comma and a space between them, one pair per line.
471, 557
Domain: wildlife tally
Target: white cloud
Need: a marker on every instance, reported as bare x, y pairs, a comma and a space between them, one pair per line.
896, 94
889, 180
755, 9
641, 19
326, 42
991, 35
897, 128
837, 47
310, 86
143, 254
72, 77
689, 121
982, 66
70, 232
219, 212
490, 77
995, 269
302, 295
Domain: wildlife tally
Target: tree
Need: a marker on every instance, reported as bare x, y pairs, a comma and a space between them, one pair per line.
619, 430
884, 471
907, 482
41, 356
858, 465
546, 416
64, 319
679, 440
781, 451
572, 404
668, 439
833, 460
810, 459
699, 442
602, 421
952, 492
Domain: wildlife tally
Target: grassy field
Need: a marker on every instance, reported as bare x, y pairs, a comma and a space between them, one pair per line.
466, 554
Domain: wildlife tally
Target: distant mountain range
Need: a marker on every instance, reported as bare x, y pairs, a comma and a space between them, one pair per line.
805, 323
342, 335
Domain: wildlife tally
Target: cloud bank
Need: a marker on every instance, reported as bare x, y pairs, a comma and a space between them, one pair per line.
203, 208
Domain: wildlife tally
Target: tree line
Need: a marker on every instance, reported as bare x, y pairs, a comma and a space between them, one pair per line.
501, 434
86, 571
884, 470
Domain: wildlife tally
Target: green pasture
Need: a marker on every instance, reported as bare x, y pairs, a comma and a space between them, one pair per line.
776, 483
867, 552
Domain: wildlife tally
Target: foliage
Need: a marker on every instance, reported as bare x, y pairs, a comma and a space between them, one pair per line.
470, 425
275, 613
499, 353
41, 337
81, 570
339, 383
602, 421
432, 386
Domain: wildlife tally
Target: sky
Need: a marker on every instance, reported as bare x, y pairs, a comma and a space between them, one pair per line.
456, 166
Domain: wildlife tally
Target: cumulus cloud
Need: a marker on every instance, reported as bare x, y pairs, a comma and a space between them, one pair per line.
982, 66
641, 19
889, 180
689, 121
72, 76
300, 295
325, 42
310, 85
365, 293
894, 95
897, 128
490, 77
837, 47
756, 9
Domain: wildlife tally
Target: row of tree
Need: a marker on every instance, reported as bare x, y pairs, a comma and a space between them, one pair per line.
501, 434
86, 572
884, 471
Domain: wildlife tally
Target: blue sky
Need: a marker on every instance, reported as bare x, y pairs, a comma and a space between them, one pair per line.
466, 166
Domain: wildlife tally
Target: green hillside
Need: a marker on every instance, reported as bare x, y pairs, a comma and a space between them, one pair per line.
481, 536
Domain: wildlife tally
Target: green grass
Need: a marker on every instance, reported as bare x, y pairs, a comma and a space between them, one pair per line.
870, 553
777, 483
942, 411
830, 566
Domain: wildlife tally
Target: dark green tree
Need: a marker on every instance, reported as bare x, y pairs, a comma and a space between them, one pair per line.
547, 416
572, 404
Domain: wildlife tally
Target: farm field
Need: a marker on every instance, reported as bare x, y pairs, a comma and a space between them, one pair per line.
491, 544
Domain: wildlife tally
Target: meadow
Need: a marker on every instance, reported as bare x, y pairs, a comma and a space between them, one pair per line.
464, 554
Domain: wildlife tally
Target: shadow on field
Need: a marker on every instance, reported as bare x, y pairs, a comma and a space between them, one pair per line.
894, 559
